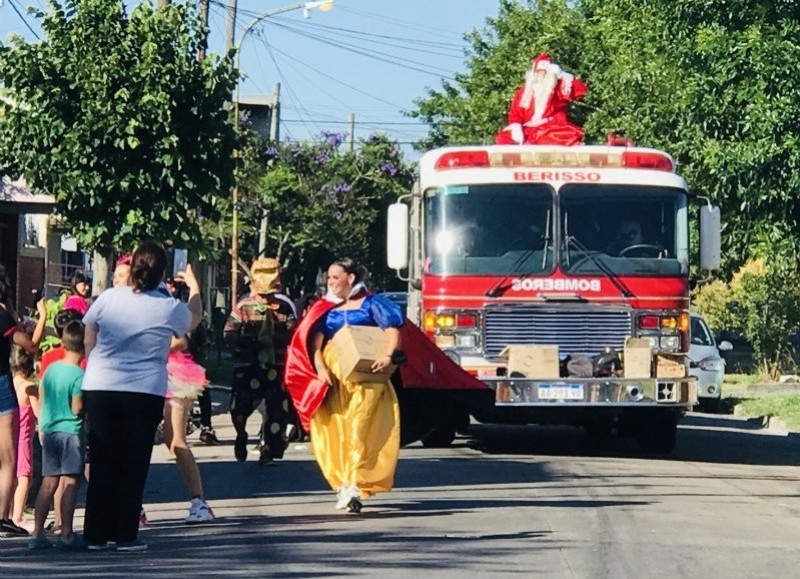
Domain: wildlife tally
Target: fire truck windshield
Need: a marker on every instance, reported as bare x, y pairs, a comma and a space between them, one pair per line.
492, 229
600, 229
624, 230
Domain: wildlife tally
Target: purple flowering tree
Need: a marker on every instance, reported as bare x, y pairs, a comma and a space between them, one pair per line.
322, 201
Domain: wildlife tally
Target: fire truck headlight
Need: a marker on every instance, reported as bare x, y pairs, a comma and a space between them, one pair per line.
445, 341
654, 343
466, 341
672, 343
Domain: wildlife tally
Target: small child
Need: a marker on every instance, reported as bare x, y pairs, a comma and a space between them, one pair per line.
62, 440
29, 409
60, 322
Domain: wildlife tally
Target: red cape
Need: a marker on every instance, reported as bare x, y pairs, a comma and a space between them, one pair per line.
427, 365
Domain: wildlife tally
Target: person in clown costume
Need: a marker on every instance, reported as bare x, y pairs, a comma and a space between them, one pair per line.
258, 330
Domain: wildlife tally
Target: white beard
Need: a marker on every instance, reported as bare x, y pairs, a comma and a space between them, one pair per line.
540, 91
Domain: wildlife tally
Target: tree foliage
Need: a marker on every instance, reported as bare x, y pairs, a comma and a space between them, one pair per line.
762, 302
116, 117
321, 201
708, 81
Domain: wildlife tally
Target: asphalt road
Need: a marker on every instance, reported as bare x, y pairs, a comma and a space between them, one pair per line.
526, 501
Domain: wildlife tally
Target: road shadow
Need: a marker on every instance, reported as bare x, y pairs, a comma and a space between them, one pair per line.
701, 438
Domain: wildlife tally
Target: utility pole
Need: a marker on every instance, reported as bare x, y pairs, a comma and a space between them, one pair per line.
230, 42
352, 123
274, 137
204, 19
230, 34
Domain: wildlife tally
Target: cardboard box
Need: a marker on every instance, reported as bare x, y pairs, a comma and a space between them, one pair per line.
637, 359
532, 361
670, 366
357, 348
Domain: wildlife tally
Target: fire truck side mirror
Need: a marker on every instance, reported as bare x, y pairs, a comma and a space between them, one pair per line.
710, 237
397, 236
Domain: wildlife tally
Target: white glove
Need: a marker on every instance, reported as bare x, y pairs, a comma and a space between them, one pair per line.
517, 135
566, 83
554, 69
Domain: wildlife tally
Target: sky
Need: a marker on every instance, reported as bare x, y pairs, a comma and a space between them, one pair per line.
371, 58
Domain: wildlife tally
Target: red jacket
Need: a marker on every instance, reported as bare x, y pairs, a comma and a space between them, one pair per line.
427, 366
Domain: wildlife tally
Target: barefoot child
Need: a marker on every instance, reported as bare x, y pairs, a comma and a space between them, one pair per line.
29, 407
62, 439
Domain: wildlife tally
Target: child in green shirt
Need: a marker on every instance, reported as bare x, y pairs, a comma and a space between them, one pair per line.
61, 426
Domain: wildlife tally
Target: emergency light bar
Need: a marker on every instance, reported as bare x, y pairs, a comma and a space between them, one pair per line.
622, 159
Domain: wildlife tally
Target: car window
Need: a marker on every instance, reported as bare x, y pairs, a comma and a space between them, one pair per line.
701, 335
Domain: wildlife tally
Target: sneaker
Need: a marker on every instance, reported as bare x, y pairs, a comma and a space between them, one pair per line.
37, 544
75, 543
9, 529
142, 518
132, 546
199, 512
354, 506
209, 437
27, 525
343, 497
265, 457
98, 546
240, 447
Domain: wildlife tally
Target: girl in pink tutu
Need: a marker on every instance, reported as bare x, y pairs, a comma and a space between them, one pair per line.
187, 380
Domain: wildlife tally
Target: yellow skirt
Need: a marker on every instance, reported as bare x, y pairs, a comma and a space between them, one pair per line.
355, 434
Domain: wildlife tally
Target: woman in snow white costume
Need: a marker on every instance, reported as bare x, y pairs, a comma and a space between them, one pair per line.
355, 428
355, 431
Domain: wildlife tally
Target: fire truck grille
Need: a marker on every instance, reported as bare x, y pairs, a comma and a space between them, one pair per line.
586, 331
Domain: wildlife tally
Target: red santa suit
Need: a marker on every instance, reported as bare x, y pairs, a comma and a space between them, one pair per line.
538, 113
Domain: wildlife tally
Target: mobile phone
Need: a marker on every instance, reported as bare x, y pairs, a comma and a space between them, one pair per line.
180, 257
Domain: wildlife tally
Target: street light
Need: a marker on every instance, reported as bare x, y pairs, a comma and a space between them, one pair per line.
306, 7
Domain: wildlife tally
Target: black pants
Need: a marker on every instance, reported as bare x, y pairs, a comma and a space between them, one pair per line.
204, 401
122, 427
251, 385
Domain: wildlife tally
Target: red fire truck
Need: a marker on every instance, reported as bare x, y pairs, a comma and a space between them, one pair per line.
574, 248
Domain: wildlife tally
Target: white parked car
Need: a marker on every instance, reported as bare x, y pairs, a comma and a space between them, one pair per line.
706, 364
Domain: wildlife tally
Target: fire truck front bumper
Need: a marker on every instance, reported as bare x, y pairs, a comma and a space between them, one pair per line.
595, 392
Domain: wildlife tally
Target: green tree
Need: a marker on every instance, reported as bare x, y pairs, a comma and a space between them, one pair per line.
321, 202
762, 302
116, 117
709, 82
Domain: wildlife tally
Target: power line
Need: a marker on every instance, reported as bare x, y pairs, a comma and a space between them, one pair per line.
13, 4
387, 58
333, 78
374, 123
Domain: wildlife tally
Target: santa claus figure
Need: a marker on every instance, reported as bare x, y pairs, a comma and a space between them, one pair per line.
538, 113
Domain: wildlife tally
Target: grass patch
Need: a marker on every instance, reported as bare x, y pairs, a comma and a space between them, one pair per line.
782, 407
742, 379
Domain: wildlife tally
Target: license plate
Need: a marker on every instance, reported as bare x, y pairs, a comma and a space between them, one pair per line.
560, 391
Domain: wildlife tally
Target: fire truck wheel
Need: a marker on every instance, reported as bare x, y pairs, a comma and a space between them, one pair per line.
659, 432
440, 437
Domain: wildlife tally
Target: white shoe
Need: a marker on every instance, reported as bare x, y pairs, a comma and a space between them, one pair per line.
199, 512
343, 497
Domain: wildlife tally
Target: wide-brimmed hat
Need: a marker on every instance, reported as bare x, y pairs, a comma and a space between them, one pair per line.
265, 276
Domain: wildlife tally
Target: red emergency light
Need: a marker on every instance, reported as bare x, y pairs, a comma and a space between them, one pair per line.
646, 160
573, 158
462, 159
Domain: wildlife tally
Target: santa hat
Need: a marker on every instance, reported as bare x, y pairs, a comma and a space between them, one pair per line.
541, 61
